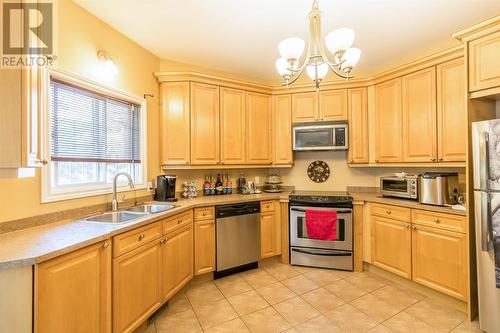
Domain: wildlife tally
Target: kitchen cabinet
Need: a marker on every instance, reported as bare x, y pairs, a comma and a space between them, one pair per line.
259, 128
388, 122
484, 71
419, 116
232, 126
305, 107
177, 257
270, 229
136, 286
358, 125
73, 291
439, 260
175, 123
451, 111
391, 245
282, 111
204, 240
204, 124
333, 105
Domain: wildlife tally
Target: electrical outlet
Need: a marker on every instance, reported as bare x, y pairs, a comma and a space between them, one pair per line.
150, 186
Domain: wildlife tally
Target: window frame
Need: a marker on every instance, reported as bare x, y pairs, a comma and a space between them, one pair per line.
86, 190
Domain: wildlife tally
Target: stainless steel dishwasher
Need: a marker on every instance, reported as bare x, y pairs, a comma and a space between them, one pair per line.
238, 237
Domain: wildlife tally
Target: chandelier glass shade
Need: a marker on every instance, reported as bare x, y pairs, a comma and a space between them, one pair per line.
316, 61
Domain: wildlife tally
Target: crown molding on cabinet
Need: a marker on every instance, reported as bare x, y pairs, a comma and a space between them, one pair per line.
484, 28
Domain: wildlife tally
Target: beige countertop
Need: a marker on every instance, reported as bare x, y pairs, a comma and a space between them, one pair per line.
37, 244
377, 197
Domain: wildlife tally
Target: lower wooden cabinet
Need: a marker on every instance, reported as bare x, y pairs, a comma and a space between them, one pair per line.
204, 246
391, 246
136, 286
439, 260
177, 260
73, 292
270, 229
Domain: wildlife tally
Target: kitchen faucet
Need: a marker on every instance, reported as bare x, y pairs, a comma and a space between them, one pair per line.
114, 202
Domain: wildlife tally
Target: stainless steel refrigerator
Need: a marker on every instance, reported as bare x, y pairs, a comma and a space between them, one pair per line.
486, 154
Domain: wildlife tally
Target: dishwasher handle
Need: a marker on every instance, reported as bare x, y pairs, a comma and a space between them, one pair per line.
237, 209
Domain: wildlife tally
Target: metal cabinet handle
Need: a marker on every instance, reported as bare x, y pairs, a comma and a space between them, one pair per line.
433, 159
407, 226
376, 161
163, 241
179, 221
440, 159
388, 211
105, 245
204, 214
437, 220
414, 227
141, 237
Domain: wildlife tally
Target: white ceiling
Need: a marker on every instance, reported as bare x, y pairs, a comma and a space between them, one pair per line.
241, 36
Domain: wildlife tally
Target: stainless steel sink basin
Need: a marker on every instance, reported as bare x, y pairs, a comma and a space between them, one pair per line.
151, 208
116, 217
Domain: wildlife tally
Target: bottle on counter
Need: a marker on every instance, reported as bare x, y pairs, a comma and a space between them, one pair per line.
212, 185
242, 182
218, 185
206, 186
224, 184
229, 185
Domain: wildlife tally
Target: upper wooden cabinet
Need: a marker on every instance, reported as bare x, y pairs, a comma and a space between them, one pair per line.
419, 116
73, 292
333, 105
358, 125
259, 128
484, 69
389, 122
232, 126
305, 107
175, 137
451, 111
282, 111
204, 124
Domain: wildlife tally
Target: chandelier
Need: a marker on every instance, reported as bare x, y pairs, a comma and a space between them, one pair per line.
316, 62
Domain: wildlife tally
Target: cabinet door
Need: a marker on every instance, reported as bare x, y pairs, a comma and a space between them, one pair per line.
232, 126
389, 126
259, 129
451, 111
333, 105
305, 107
440, 260
136, 286
204, 124
358, 125
391, 245
177, 261
282, 109
484, 71
174, 128
419, 116
73, 292
204, 247
267, 235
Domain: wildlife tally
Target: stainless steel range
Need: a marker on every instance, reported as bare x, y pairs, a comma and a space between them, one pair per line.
305, 251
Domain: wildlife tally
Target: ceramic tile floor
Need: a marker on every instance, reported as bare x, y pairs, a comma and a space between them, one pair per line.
284, 298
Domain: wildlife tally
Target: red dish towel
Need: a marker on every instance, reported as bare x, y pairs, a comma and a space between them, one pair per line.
321, 224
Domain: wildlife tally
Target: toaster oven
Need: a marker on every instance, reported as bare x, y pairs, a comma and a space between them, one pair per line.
399, 187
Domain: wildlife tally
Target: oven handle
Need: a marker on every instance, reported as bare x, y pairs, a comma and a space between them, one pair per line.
330, 254
347, 211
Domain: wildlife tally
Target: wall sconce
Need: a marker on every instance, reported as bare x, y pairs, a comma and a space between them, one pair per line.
109, 66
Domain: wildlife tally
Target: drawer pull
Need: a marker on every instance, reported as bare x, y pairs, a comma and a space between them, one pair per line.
141, 237
414, 227
105, 245
388, 211
163, 241
204, 214
436, 220
179, 221
407, 226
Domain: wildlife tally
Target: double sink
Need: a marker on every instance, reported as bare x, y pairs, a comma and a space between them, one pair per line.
130, 214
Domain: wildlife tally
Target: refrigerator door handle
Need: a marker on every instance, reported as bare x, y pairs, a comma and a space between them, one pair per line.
486, 222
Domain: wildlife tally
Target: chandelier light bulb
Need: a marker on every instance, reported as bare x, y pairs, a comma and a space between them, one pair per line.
322, 71
291, 48
351, 57
282, 67
339, 40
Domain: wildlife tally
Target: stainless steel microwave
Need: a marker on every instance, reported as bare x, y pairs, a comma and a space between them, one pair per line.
320, 136
399, 187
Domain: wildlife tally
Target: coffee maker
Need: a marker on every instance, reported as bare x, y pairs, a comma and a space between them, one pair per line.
165, 188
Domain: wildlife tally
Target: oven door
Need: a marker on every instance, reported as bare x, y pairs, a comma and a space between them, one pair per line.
298, 229
395, 187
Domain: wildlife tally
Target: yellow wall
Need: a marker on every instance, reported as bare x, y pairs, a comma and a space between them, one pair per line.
79, 36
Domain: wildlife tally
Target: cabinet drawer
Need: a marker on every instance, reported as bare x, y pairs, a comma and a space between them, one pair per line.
392, 212
133, 239
205, 213
178, 220
439, 220
267, 206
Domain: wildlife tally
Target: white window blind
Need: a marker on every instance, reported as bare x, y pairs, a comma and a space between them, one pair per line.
89, 127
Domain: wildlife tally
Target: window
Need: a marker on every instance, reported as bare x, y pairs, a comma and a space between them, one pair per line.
92, 135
